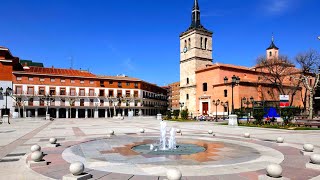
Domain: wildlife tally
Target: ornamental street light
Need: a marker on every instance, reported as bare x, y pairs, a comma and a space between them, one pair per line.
48, 98
181, 105
235, 82
216, 103
6, 93
224, 105
246, 101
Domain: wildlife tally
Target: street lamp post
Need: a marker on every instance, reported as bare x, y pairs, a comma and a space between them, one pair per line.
247, 102
181, 105
233, 119
6, 93
223, 104
235, 82
216, 103
48, 99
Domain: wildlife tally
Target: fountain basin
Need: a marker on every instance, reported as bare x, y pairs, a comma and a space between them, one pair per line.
181, 149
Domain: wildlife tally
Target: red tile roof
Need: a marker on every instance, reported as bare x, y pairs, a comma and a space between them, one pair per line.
56, 72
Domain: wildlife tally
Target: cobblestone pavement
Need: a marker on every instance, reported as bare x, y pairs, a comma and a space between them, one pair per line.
17, 138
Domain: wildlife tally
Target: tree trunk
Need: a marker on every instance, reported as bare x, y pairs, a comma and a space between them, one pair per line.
311, 105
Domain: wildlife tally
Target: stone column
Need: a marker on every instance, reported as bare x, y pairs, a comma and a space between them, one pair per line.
86, 113
36, 112
106, 113
96, 114
67, 110
57, 113
77, 113
140, 112
24, 113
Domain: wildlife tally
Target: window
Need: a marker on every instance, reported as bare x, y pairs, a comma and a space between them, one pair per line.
270, 53
91, 82
119, 93
136, 94
187, 80
91, 92
128, 83
18, 90
82, 92
81, 102
63, 91
135, 85
204, 86
110, 93
101, 83
205, 43
110, 82
189, 45
30, 90
72, 92
72, 81
52, 79
81, 81
41, 91
127, 93
19, 78
52, 91
119, 84
185, 43
225, 93
201, 39
187, 96
63, 80
101, 92
30, 78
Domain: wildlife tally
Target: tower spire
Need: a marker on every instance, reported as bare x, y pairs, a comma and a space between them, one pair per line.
272, 45
195, 15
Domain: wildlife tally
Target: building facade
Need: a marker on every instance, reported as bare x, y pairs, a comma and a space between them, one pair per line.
174, 96
68, 93
202, 82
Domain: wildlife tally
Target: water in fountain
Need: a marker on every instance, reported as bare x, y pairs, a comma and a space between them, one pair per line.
163, 139
172, 140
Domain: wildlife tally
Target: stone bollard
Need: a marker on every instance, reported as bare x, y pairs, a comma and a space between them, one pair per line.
247, 135
274, 170
178, 130
280, 140
308, 147
53, 142
37, 159
37, 156
210, 132
110, 133
77, 172
141, 130
35, 148
315, 159
174, 174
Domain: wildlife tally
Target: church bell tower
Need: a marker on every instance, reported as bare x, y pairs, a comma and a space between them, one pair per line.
195, 52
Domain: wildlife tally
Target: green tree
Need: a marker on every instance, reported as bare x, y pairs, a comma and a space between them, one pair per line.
168, 115
176, 113
258, 115
184, 114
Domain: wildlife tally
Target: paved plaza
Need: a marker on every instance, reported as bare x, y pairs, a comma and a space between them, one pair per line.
228, 154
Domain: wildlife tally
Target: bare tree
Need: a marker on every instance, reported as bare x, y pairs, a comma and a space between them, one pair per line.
280, 75
310, 66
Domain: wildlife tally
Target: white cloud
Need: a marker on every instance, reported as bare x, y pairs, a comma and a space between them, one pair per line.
276, 7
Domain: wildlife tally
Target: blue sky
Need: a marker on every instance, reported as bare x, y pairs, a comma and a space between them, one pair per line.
140, 38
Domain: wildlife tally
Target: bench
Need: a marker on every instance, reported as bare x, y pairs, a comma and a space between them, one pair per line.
307, 122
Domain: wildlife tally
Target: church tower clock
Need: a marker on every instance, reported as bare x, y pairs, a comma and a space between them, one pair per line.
195, 52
